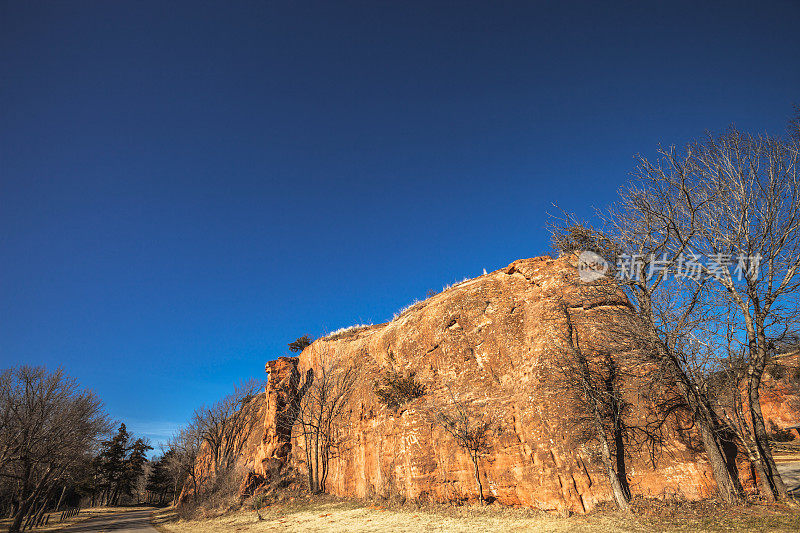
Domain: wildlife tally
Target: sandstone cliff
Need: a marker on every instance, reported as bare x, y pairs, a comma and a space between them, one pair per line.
780, 393
493, 339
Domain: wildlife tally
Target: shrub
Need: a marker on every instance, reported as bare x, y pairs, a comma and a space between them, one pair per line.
219, 496
300, 344
778, 434
578, 238
259, 501
395, 389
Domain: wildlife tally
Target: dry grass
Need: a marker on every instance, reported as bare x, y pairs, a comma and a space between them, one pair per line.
347, 516
347, 332
85, 514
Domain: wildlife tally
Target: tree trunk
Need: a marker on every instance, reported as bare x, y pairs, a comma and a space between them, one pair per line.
719, 466
619, 453
778, 488
317, 488
590, 397
29, 518
605, 452
671, 365
761, 473
324, 473
618, 429
24, 508
34, 512
37, 519
309, 445
478, 478
61, 498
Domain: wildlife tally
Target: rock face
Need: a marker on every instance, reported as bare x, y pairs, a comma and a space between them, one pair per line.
780, 393
267, 453
282, 390
492, 340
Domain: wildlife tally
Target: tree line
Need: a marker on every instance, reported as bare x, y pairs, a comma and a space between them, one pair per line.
58, 449
199, 461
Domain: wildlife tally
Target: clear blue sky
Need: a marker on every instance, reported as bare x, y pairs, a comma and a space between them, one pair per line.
185, 187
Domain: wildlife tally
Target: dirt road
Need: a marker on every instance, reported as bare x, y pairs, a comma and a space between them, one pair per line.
122, 522
790, 472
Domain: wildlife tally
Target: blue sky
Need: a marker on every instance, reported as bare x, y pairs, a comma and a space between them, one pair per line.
185, 187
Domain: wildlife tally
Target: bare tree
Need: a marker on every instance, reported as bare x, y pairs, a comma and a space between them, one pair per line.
731, 201
735, 200
666, 310
227, 425
49, 427
591, 381
756, 213
320, 415
473, 425
183, 464
9, 445
729, 374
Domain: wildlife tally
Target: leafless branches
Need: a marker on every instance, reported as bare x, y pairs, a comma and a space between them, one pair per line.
205, 451
184, 450
474, 425
319, 417
49, 425
740, 202
733, 200
590, 379
227, 425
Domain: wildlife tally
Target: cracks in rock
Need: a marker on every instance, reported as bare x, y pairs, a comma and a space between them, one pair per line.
470, 354
602, 303
511, 270
585, 472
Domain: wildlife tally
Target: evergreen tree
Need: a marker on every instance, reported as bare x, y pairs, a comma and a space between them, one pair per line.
300, 344
159, 484
134, 466
120, 465
112, 465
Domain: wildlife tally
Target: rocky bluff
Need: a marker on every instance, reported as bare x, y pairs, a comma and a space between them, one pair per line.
491, 338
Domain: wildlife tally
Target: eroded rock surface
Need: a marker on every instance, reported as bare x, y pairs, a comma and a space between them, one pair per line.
780, 393
491, 339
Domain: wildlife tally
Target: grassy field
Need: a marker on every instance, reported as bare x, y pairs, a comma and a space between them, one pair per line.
85, 514
336, 515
